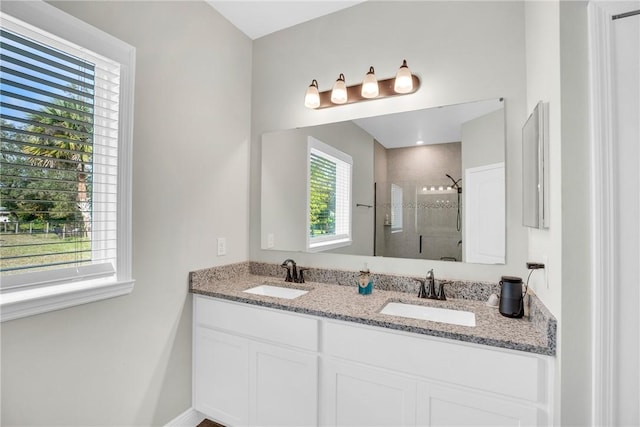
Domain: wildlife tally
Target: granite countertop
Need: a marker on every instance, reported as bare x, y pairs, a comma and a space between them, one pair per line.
535, 333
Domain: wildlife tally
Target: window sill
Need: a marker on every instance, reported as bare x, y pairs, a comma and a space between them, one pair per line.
18, 304
328, 245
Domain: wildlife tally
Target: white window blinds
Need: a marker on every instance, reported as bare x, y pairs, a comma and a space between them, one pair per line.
59, 159
329, 195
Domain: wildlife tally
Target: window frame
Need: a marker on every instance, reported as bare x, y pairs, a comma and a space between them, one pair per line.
342, 240
27, 301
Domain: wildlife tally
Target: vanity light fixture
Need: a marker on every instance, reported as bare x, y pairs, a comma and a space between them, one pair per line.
404, 83
312, 97
339, 91
404, 80
370, 85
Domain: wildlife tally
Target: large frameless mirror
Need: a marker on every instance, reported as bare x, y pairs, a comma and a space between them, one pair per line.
424, 184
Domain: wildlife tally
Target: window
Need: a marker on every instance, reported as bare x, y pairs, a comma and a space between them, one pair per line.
396, 208
329, 203
65, 157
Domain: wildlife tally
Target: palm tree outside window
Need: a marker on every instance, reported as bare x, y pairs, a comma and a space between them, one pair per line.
58, 159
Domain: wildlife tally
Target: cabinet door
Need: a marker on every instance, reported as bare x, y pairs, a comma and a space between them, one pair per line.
221, 381
356, 395
448, 406
284, 386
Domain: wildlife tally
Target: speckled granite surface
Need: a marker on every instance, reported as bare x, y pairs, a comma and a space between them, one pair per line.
333, 294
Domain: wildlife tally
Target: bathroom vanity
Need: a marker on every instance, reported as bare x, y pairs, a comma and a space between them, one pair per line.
329, 357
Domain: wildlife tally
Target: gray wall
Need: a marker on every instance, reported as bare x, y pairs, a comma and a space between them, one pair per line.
284, 185
127, 361
557, 73
576, 327
425, 163
483, 140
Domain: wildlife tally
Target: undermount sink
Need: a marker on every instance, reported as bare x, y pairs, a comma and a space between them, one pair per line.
434, 314
276, 291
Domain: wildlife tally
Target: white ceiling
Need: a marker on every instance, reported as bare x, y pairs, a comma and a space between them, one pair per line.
259, 18
432, 125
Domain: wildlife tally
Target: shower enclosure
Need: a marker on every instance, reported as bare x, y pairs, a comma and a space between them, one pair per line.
419, 220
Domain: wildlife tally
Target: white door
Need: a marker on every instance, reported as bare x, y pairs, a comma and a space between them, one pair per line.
284, 386
626, 90
221, 380
355, 395
447, 406
615, 70
484, 207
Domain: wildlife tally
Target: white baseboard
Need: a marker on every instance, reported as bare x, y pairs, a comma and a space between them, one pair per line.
189, 418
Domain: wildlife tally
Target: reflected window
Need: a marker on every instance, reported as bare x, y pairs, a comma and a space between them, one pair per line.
396, 208
329, 202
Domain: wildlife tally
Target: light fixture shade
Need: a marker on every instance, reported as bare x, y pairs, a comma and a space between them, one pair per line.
312, 97
339, 91
404, 80
370, 85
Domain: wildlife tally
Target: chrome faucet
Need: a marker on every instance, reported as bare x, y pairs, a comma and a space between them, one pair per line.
428, 288
293, 274
431, 282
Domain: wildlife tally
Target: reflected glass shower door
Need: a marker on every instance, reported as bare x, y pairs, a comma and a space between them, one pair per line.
437, 222
414, 221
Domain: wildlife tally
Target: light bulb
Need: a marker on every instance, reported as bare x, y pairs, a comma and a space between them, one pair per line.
404, 80
339, 91
312, 97
370, 85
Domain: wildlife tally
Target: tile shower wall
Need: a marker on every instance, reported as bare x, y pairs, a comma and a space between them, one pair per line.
426, 213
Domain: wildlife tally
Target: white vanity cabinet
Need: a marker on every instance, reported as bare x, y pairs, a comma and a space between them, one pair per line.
358, 395
254, 366
259, 366
283, 384
221, 376
425, 381
440, 405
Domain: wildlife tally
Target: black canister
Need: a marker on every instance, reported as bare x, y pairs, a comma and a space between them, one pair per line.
511, 297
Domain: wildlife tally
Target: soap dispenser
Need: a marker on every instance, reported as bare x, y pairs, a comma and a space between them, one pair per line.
365, 283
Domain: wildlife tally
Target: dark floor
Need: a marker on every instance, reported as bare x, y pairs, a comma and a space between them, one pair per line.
209, 423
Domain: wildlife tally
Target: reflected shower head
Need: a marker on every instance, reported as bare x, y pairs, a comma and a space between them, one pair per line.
455, 183
458, 188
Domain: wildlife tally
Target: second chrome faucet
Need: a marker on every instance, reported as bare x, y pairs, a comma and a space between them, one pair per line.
428, 288
293, 273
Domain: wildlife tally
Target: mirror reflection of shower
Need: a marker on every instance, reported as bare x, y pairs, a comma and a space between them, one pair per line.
418, 219
456, 185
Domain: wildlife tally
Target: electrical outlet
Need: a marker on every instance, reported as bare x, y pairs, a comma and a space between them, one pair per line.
270, 241
222, 246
